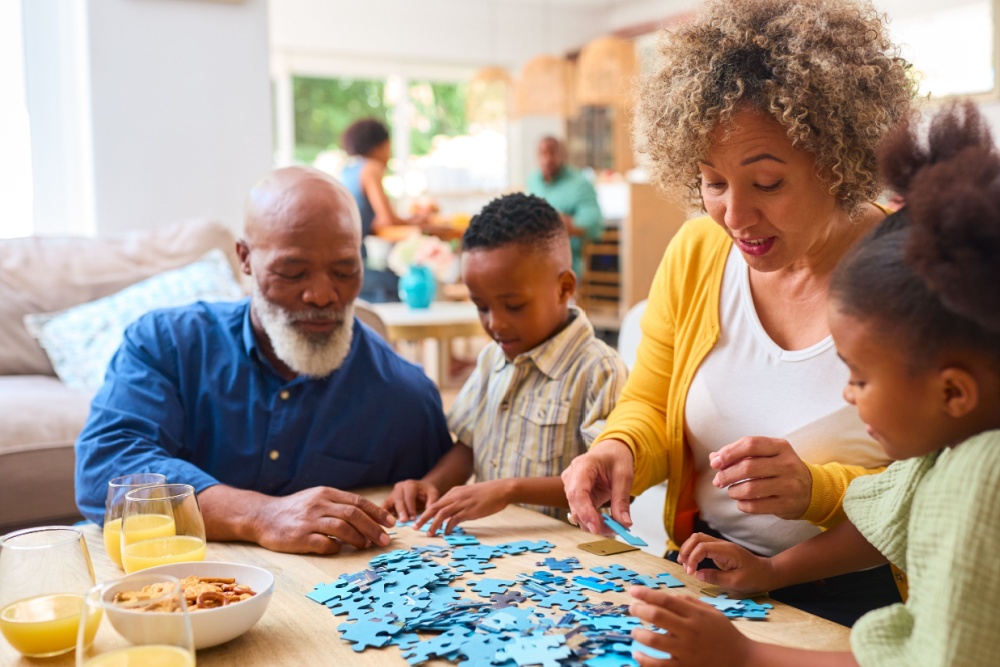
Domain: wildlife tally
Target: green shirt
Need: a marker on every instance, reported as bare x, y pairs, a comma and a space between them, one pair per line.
573, 195
934, 517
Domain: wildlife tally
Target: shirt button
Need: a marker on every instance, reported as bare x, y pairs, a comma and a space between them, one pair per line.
494, 463
504, 405
284, 395
274, 455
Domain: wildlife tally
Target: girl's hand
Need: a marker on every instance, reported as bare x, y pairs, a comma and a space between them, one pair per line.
698, 634
462, 503
764, 476
409, 497
739, 570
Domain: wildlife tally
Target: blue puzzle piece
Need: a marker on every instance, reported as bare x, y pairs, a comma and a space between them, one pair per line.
598, 584
535, 649
487, 587
563, 565
623, 532
565, 600
540, 546
441, 646
460, 540
615, 571
611, 659
365, 634
337, 590
481, 649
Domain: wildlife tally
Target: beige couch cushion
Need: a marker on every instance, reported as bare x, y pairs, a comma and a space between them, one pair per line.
40, 274
41, 420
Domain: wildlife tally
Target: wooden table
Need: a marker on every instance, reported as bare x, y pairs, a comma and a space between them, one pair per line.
297, 631
443, 321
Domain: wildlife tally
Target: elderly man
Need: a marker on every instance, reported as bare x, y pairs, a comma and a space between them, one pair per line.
270, 406
568, 192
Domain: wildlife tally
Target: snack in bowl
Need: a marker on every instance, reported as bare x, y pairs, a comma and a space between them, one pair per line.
199, 593
215, 625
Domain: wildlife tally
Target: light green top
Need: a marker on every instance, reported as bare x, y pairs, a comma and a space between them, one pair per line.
938, 519
572, 194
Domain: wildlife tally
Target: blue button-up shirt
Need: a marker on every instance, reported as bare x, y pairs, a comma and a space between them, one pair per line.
190, 395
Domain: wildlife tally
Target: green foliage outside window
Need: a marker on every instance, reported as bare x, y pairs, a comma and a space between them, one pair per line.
438, 109
324, 108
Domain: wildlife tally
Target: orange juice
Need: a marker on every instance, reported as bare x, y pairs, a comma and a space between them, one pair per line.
140, 527
45, 625
155, 655
161, 551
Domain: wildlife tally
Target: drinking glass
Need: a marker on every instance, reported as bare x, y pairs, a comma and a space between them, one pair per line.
152, 628
115, 506
161, 524
44, 574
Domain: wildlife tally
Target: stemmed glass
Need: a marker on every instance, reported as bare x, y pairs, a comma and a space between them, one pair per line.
139, 621
115, 506
44, 574
161, 524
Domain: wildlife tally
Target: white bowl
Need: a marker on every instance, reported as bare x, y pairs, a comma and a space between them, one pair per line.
211, 627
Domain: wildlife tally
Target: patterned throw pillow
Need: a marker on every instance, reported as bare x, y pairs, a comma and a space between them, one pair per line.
80, 341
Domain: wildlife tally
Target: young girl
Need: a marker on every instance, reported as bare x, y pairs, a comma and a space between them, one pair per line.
915, 314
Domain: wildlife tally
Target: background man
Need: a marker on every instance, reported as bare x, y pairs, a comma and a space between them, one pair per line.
568, 192
272, 405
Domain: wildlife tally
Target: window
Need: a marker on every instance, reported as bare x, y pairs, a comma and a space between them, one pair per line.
15, 161
950, 47
437, 152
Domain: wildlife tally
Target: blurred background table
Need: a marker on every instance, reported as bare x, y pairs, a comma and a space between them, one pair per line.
442, 322
298, 631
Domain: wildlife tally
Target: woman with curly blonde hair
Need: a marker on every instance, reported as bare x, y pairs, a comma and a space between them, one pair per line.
767, 112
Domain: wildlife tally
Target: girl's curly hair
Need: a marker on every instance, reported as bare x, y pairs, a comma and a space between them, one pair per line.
824, 69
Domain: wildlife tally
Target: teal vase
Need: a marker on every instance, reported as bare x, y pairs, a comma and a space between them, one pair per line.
417, 287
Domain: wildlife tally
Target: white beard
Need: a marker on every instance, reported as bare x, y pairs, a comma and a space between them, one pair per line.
313, 355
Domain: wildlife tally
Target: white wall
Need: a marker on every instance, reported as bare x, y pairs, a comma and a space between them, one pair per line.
403, 34
171, 100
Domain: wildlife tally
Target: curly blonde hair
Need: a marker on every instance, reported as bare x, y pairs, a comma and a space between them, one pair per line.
824, 69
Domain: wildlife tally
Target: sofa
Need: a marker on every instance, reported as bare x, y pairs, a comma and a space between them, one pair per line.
40, 416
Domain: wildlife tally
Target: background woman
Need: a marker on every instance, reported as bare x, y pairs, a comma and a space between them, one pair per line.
367, 141
767, 112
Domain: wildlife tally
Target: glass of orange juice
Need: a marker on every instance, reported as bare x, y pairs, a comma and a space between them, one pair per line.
141, 621
161, 524
115, 505
44, 574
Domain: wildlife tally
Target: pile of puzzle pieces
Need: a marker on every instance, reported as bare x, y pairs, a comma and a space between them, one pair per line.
540, 618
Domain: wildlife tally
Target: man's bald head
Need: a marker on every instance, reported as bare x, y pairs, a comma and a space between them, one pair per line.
295, 195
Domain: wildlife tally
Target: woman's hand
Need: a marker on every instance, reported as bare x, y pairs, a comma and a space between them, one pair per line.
698, 634
764, 476
739, 570
409, 497
592, 479
464, 503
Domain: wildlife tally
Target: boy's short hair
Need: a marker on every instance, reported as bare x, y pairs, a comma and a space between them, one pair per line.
363, 136
515, 218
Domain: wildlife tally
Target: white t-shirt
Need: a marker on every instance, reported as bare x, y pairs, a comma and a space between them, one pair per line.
749, 386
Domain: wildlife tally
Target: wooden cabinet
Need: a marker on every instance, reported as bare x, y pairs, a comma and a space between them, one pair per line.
619, 267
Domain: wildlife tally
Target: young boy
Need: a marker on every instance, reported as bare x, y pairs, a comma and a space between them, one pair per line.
540, 392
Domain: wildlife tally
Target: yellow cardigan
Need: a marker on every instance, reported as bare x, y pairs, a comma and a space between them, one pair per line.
679, 328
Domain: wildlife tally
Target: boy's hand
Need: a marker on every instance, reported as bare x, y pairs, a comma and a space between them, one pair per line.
463, 503
409, 497
698, 633
739, 570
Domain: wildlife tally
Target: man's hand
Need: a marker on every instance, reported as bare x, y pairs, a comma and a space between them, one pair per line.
464, 503
764, 476
604, 473
316, 520
409, 497
739, 570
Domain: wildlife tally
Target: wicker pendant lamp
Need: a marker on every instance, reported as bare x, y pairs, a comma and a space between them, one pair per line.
604, 72
545, 87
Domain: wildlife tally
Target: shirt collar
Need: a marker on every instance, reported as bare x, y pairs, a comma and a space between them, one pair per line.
249, 338
554, 356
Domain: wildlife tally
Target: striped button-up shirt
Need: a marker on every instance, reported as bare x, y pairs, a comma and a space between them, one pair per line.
531, 416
